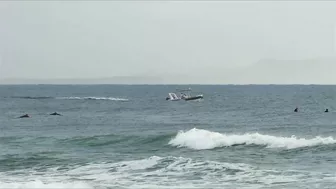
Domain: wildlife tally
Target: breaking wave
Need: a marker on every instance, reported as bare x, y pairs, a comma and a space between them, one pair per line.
199, 139
152, 172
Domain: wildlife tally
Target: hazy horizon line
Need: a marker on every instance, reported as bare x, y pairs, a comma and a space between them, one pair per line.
169, 84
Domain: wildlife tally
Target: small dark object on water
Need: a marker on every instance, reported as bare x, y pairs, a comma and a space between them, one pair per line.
326, 110
296, 110
55, 113
24, 116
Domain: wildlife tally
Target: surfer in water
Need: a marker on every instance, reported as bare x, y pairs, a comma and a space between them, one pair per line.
326, 110
24, 116
296, 109
55, 113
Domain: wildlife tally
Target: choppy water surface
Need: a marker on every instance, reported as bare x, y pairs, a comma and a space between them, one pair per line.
114, 136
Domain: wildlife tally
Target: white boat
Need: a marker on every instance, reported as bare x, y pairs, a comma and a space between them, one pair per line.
185, 94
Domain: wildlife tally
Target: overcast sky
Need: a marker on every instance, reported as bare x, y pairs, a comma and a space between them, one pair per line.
88, 39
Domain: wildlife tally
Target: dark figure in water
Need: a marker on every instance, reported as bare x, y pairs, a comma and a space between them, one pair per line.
24, 116
296, 109
167, 98
55, 113
326, 110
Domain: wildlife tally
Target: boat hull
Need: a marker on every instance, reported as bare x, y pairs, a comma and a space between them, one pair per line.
194, 98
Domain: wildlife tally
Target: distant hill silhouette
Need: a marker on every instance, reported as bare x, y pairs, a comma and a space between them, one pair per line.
312, 71
267, 71
112, 80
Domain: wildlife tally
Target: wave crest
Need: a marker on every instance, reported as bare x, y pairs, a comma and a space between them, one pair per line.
70, 98
33, 97
199, 139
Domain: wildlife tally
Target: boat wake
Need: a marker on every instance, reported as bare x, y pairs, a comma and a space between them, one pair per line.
200, 139
92, 98
70, 98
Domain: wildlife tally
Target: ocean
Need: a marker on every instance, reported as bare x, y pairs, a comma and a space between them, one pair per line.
129, 136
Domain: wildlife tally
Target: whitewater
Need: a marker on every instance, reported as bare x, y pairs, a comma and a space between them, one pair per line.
200, 139
118, 137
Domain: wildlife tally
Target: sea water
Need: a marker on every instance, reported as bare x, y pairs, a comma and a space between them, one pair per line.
129, 136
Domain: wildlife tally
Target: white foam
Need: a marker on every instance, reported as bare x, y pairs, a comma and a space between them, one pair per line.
200, 139
38, 184
92, 98
152, 172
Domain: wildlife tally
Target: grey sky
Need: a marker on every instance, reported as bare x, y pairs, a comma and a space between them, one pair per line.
87, 39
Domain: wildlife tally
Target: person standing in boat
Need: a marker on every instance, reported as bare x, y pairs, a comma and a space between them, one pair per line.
183, 96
